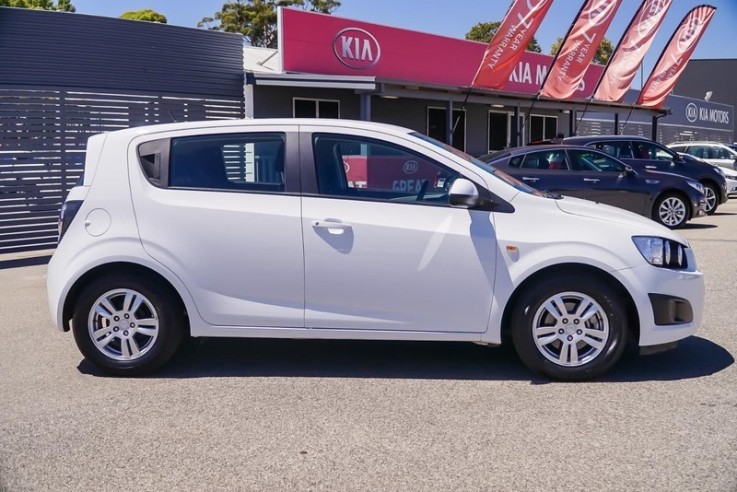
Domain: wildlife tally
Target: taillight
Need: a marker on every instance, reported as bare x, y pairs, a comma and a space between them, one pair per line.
66, 216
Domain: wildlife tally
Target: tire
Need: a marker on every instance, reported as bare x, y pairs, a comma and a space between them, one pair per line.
671, 210
712, 198
575, 345
127, 324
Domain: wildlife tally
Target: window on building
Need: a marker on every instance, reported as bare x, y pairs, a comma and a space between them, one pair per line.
252, 162
436, 126
316, 108
543, 127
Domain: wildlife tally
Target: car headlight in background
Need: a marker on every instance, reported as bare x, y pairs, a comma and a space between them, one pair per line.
698, 186
661, 252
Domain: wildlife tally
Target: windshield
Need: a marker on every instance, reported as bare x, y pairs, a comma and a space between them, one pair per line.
501, 175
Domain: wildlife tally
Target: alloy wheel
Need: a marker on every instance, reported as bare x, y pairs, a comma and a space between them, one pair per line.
123, 324
570, 329
672, 211
711, 198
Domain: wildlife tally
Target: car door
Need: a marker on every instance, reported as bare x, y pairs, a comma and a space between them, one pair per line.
722, 156
654, 157
605, 180
220, 211
548, 170
384, 250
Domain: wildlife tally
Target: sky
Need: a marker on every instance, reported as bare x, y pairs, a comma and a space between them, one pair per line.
435, 17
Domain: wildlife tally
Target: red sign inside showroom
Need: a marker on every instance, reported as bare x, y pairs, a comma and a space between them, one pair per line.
324, 44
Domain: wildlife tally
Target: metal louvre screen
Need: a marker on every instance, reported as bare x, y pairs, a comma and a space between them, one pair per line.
65, 77
43, 136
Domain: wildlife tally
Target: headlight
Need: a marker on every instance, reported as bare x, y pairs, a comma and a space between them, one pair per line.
661, 252
696, 185
719, 170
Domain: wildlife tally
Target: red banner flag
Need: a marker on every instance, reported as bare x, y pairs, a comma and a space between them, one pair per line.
630, 51
510, 42
675, 56
579, 48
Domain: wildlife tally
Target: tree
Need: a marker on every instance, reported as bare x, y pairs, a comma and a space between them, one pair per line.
256, 19
147, 15
603, 52
484, 31
60, 5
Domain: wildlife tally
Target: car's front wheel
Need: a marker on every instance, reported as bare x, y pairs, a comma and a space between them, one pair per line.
712, 198
127, 324
569, 327
671, 210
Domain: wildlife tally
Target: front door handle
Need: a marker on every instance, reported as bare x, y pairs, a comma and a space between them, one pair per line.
591, 180
329, 224
525, 178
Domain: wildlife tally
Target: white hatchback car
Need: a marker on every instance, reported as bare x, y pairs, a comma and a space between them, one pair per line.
344, 229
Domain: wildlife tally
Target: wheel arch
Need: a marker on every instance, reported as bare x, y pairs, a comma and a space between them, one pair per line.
633, 319
116, 267
672, 191
715, 185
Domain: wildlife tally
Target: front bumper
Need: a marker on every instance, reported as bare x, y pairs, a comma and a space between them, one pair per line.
678, 311
698, 207
731, 188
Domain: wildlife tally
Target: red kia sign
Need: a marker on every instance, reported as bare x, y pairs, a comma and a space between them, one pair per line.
356, 48
329, 45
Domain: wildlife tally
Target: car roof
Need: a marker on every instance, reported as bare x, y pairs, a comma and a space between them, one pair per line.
190, 125
584, 139
537, 148
699, 142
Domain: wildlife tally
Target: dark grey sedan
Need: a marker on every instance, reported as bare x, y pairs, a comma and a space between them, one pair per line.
586, 173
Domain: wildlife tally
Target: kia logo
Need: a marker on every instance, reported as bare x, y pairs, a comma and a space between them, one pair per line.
601, 12
688, 33
692, 112
410, 167
649, 15
356, 48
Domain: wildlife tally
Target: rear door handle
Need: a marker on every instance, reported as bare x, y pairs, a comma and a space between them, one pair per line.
591, 180
525, 178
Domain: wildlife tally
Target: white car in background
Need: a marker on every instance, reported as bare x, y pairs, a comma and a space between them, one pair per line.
714, 153
255, 228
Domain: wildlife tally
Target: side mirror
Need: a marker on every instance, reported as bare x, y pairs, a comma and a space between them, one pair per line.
628, 171
463, 194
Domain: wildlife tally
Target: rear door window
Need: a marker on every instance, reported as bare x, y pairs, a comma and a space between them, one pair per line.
246, 162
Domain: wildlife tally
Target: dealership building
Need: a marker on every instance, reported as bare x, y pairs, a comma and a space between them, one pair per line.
328, 66
68, 76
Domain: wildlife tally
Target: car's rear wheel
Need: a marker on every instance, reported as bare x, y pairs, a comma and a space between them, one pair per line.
712, 198
126, 324
671, 210
569, 327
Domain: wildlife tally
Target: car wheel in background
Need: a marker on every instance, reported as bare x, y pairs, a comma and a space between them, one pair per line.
569, 327
126, 324
671, 210
712, 198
